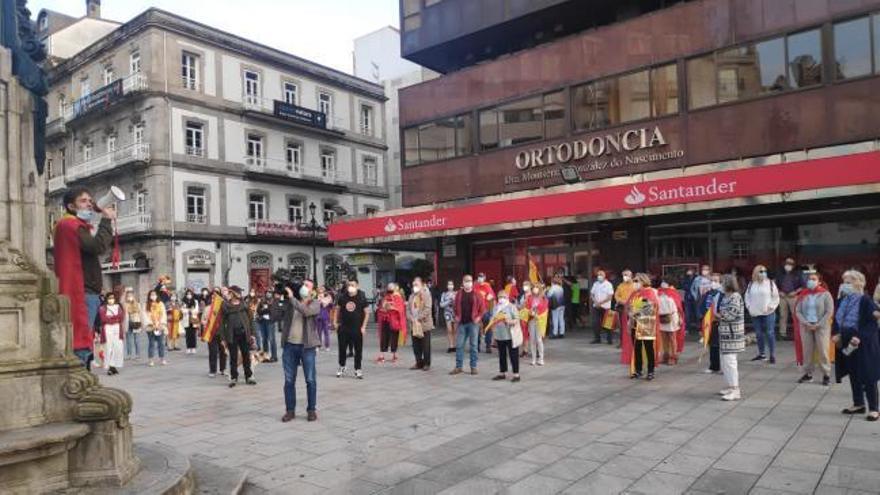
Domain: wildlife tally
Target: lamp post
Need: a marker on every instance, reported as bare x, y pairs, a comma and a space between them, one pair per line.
313, 227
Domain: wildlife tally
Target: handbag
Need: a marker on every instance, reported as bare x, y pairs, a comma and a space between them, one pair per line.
610, 320
516, 335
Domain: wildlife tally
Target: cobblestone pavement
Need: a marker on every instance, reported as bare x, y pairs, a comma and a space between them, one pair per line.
576, 425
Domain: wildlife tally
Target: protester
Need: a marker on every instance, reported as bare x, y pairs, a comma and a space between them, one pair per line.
191, 320
420, 313
640, 327
601, 295
447, 301
624, 290
351, 326
112, 316
211, 320
672, 323
485, 290
163, 289
237, 334
508, 335
391, 319
690, 303
536, 313
511, 289
77, 264
299, 342
707, 311
523, 319
814, 311
573, 301
251, 301
556, 298
731, 334
702, 283
157, 327
858, 348
469, 307
266, 327
762, 299
175, 322
324, 321
134, 323
790, 282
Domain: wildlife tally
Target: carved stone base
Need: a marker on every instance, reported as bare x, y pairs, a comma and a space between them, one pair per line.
104, 457
37, 459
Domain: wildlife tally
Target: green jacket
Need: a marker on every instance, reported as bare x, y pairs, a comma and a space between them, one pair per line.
229, 314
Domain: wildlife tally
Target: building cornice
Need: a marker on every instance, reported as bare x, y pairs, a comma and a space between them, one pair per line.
160, 19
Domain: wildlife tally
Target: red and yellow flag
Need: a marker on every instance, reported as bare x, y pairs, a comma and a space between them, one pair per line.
534, 275
706, 325
213, 319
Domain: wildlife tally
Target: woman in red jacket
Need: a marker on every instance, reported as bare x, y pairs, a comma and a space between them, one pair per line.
391, 317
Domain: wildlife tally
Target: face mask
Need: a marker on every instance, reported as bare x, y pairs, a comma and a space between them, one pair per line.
536, 291
481, 279
789, 268
716, 285
527, 288
503, 300
846, 289
812, 284
468, 285
627, 278
601, 278
762, 275
637, 285
417, 289
111, 302
352, 291
153, 298
450, 287
85, 215
664, 285
304, 292
705, 273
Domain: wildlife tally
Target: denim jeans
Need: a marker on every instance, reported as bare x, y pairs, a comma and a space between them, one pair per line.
294, 355
93, 303
159, 342
559, 321
132, 344
467, 332
765, 328
256, 324
267, 336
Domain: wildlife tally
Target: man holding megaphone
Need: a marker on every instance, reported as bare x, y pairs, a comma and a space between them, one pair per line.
77, 263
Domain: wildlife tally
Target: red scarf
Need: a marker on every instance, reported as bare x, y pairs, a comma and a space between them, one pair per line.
796, 326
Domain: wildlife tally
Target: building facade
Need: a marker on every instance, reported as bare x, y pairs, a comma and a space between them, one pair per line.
646, 135
222, 147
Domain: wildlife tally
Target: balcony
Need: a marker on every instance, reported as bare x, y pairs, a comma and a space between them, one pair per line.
106, 96
195, 151
293, 113
283, 168
56, 184
286, 229
56, 127
138, 222
196, 218
139, 152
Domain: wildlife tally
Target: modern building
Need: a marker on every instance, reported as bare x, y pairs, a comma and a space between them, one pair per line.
651, 135
226, 150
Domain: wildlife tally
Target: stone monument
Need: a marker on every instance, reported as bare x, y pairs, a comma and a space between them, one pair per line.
59, 428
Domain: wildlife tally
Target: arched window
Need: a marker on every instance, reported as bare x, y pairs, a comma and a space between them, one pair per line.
333, 270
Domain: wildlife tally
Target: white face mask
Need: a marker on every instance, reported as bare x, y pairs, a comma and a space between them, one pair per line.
468, 285
481, 279
417, 289
450, 287
846, 289
789, 268
627, 278
637, 285
601, 278
664, 285
85, 215
705, 273
153, 298
304, 292
527, 287
536, 291
352, 290
716, 285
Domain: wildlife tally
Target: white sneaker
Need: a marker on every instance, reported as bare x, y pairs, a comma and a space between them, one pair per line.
541, 362
359, 374
733, 395
725, 391
151, 363
533, 362
708, 371
211, 375
164, 363
340, 372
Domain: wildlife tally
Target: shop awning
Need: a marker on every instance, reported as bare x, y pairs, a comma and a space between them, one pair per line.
849, 170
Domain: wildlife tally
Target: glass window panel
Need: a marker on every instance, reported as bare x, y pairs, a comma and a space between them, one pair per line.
488, 129
664, 90
554, 115
805, 59
702, 85
521, 121
751, 70
877, 43
631, 100
463, 132
411, 146
852, 48
590, 105
437, 140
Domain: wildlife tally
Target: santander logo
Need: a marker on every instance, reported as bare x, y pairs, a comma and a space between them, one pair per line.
635, 197
390, 226
420, 224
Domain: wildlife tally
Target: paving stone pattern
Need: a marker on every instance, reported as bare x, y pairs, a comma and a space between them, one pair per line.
577, 425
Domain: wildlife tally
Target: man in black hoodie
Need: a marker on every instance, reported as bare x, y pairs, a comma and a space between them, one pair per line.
237, 331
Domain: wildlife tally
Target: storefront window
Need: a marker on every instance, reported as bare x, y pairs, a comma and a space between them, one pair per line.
554, 115
463, 131
488, 129
852, 48
521, 121
664, 90
632, 100
437, 140
751, 70
411, 146
702, 83
877, 43
805, 59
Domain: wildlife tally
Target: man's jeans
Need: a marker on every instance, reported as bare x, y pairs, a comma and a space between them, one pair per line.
467, 332
765, 329
559, 321
132, 344
294, 355
93, 303
267, 336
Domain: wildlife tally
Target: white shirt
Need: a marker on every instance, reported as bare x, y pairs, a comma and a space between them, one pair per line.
762, 298
601, 291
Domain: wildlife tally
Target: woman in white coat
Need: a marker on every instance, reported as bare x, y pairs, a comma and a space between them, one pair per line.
762, 299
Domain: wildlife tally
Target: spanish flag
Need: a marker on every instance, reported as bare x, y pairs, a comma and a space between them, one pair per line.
213, 319
706, 325
534, 275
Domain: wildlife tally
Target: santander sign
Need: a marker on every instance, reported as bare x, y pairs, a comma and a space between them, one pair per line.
696, 192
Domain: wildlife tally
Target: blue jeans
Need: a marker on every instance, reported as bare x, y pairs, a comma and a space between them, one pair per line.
257, 334
467, 332
559, 321
294, 355
267, 336
159, 342
132, 343
765, 328
93, 303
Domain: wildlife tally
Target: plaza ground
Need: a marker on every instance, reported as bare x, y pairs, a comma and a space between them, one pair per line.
576, 425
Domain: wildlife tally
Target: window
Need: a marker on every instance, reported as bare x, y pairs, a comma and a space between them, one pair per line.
134, 62
85, 88
488, 129
290, 93
554, 115
371, 171
189, 67
294, 210
49, 167
371, 211
805, 59
257, 207
876, 31
294, 157
62, 154
328, 164
254, 149
367, 120
138, 133
141, 202
740, 250
299, 266
852, 48
702, 82
437, 140
111, 143
195, 139
251, 87
195, 205
325, 104
62, 103
109, 76
44, 24
521, 121
87, 151
329, 213
412, 17
411, 146
751, 70
664, 90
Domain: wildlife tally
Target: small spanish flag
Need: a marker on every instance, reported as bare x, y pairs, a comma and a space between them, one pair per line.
213, 319
706, 326
534, 275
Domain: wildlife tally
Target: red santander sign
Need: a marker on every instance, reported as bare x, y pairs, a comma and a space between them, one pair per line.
862, 168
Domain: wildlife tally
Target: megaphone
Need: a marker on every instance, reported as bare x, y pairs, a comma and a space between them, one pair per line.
113, 195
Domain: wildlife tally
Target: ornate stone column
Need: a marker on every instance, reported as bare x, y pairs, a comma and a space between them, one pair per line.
59, 427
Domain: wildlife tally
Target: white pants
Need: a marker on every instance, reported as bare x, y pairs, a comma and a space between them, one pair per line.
536, 343
728, 367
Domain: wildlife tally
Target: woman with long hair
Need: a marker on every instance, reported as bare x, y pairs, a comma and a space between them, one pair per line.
731, 334
191, 320
536, 310
858, 348
447, 305
762, 299
157, 327
640, 328
813, 311
112, 316
133, 324
323, 320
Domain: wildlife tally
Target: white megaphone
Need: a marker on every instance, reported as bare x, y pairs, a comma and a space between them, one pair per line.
113, 195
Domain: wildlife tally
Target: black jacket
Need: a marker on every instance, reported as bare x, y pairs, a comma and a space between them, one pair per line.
91, 248
233, 316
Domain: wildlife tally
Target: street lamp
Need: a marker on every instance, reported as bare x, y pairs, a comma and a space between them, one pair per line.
313, 227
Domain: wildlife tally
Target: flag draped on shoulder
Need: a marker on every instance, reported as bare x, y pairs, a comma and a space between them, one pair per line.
213, 322
534, 275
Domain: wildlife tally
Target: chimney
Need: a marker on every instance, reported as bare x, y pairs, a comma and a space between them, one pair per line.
93, 9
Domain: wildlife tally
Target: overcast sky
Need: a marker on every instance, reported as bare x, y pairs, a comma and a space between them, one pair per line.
319, 30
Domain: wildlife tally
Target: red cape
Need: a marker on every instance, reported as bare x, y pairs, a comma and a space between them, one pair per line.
396, 316
673, 294
68, 269
626, 343
796, 326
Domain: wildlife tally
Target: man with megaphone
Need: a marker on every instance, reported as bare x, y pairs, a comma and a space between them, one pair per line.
77, 263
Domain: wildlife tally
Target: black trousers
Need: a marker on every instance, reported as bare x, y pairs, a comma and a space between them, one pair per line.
239, 343
861, 391
505, 350
216, 355
714, 350
422, 350
190, 337
390, 338
648, 347
348, 338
